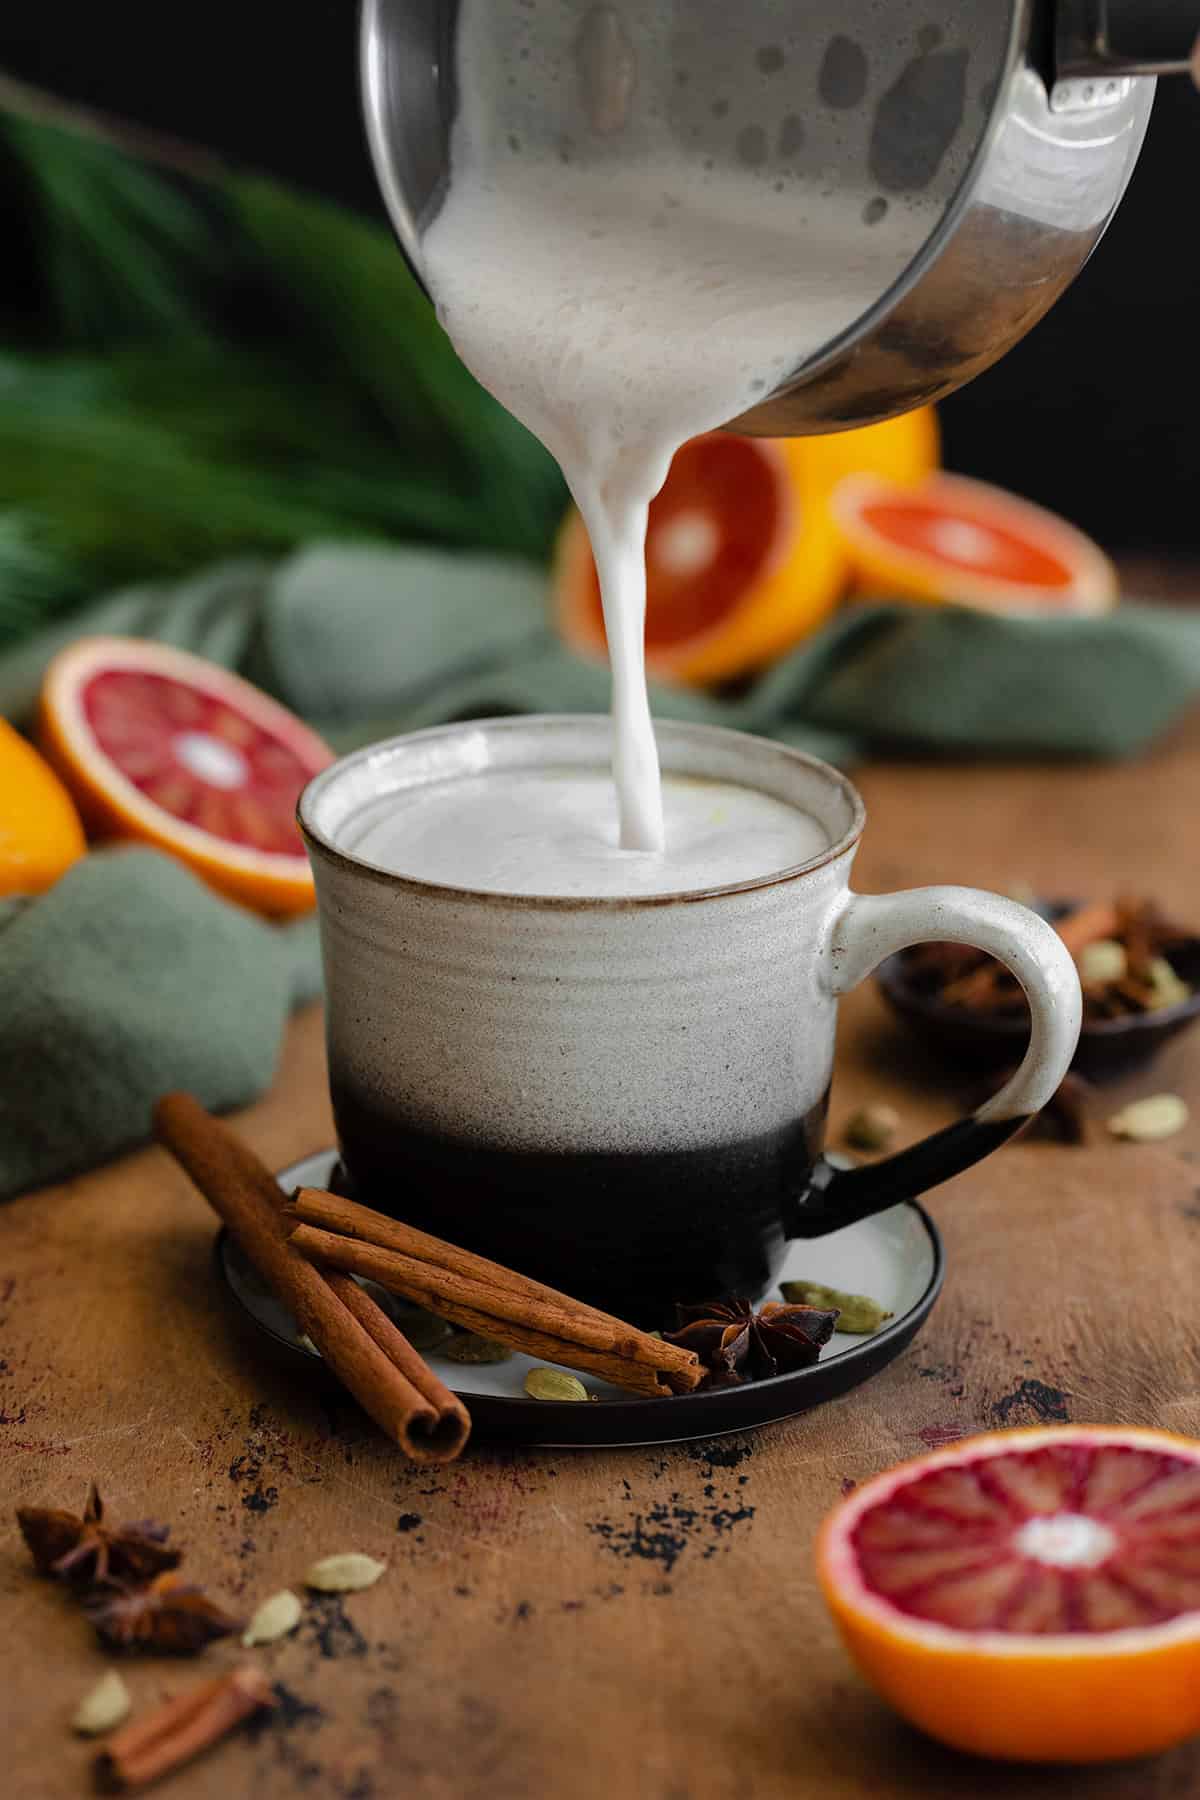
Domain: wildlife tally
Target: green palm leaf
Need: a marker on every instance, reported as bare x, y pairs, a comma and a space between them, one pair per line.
226, 367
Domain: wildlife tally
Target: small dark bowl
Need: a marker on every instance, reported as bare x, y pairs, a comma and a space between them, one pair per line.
1107, 1050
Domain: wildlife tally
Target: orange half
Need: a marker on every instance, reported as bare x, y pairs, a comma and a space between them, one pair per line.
951, 539
905, 449
40, 830
166, 748
742, 562
1032, 1595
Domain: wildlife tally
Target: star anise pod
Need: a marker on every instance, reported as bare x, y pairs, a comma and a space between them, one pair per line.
737, 1344
86, 1550
165, 1615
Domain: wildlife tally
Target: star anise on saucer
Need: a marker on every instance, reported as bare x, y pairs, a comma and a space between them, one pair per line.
84, 1549
168, 1615
737, 1344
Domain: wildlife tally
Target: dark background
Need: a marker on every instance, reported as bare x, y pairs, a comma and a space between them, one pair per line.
1095, 414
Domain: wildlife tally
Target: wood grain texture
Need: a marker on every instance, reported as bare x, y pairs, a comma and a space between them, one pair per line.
634, 1625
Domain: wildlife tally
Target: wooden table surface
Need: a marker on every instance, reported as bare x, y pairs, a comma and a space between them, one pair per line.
633, 1625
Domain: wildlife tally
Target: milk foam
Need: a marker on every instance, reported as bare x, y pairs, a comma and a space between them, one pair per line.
654, 218
554, 832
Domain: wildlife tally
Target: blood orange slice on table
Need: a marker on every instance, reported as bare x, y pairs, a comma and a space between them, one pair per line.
161, 746
1033, 1595
742, 562
951, 539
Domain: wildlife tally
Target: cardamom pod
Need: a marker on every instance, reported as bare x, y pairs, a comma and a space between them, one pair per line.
472, 1347
273, 1619
424, 1330
1159, 1116
872, 1127
1105, 960
1165, 986
858, 1314
344, 1574
104, 1707
554, 1384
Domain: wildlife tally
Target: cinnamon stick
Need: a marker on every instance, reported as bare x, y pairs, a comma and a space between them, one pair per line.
485, 1297
978, 988
1087, 925
442, 1289
180, 1729
348, 1218
366, 1352
381, 1266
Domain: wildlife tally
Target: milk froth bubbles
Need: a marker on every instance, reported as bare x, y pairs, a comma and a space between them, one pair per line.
553, 832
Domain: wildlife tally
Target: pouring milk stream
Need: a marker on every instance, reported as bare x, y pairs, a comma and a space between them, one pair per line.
622, 289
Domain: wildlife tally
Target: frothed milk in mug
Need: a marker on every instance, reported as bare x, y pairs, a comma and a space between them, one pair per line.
641, 236
543, 832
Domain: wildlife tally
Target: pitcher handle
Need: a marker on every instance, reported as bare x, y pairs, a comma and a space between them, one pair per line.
870, 928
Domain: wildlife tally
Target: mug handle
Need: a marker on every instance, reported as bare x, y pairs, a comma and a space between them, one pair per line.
871, 927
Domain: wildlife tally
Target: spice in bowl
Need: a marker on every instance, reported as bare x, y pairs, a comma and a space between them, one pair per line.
1139, 970
1122, 952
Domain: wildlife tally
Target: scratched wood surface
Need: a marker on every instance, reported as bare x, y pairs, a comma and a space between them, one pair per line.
585, 1626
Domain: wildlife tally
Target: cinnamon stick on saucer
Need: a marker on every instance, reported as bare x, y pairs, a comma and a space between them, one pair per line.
484, 1296
362, 1346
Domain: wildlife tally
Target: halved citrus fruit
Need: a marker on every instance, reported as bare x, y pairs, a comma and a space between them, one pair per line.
159, 745
952, 539
742, 562
1033, 1595
40, 830
905, 449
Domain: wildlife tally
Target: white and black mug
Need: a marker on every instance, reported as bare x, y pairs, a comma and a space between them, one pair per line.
627, 1097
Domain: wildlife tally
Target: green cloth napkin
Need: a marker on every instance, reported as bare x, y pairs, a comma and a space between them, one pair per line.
366, 641
130, 977
127, 979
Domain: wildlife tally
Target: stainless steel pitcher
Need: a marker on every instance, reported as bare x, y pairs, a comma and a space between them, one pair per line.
1045, 103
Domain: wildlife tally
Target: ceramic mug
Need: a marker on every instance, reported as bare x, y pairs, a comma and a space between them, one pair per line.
626, 1097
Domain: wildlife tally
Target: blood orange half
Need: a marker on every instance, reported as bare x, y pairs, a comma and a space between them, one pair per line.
947, 538
164, 747
1033, 1595
742, 561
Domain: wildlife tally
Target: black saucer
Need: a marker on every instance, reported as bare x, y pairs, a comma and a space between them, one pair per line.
896, 1257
